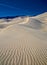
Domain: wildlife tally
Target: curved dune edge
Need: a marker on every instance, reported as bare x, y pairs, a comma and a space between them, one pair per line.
23, 44
28, 21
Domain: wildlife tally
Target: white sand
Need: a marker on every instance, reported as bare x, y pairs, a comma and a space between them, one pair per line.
23, 41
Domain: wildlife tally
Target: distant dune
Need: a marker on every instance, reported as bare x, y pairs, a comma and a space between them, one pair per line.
42, 17
23, 40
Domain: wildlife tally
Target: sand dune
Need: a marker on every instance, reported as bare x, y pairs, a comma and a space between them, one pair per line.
42, 17
23, 41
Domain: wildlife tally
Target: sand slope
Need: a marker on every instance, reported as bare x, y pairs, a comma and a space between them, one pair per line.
23, 41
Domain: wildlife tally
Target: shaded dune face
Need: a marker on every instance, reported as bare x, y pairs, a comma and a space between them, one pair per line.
42, 17
34, 24
22, 42
3, 26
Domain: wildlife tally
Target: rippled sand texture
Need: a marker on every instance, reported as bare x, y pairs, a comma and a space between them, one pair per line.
23, 41
23, 56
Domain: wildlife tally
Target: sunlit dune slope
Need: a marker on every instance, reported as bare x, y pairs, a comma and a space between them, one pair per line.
42, 17
23, 41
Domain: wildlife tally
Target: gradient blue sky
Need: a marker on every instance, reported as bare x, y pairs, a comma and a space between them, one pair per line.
22, 7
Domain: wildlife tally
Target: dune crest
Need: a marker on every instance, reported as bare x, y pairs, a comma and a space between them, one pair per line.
23, 41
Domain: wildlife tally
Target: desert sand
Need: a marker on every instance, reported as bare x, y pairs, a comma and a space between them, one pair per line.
23, 40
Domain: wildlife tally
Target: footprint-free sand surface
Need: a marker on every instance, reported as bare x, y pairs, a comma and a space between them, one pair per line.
23, 41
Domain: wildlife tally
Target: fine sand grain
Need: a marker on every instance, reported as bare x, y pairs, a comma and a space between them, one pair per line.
23, 41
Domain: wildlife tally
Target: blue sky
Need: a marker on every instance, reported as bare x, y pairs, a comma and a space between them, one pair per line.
22, 7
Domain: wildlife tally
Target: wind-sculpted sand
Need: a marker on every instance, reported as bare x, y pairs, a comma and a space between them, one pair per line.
23, 41
23, 56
